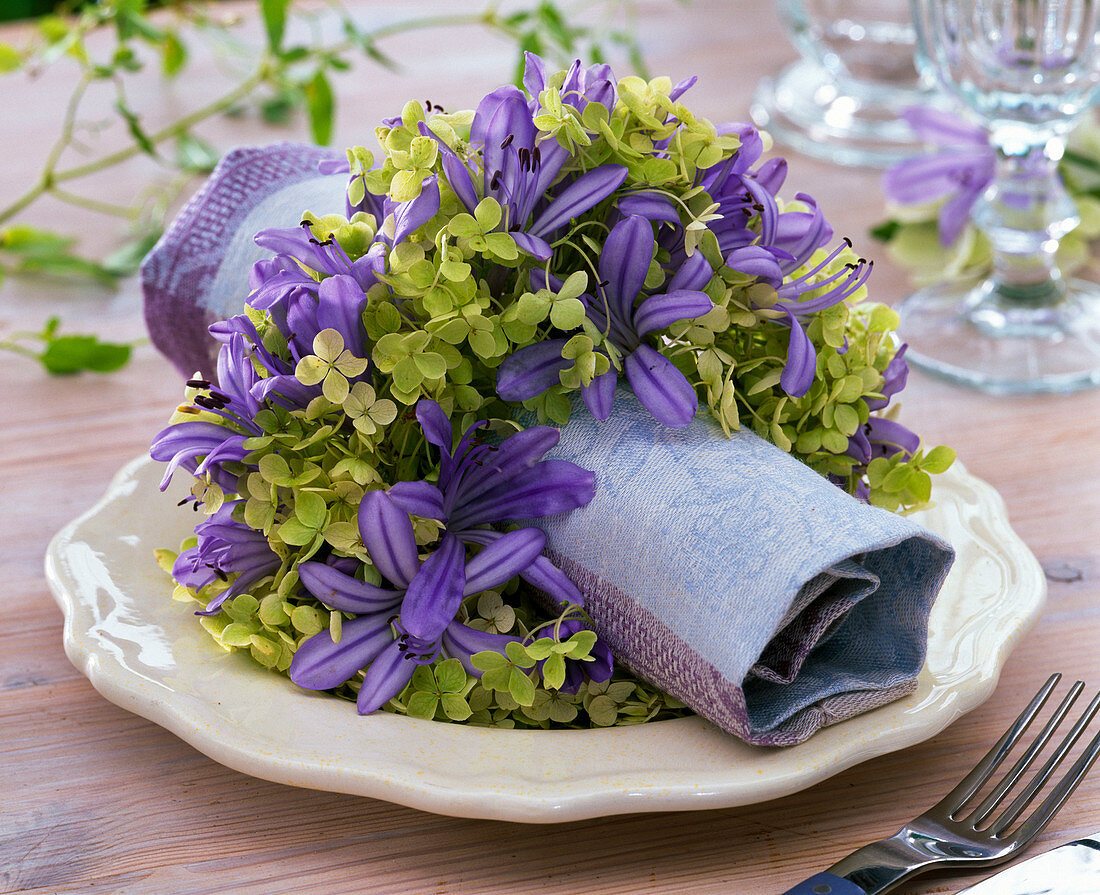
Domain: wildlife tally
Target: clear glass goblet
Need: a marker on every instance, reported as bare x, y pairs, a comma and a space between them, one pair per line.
1028, 69
842, 100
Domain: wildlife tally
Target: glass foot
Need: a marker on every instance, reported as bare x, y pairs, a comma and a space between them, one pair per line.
841, 120
972, 336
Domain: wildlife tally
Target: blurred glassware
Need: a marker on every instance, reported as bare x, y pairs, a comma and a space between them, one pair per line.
1028, 70
842, 101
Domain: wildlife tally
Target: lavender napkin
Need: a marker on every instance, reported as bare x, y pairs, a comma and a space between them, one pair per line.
722, 570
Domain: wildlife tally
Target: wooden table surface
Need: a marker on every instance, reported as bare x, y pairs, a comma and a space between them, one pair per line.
99, 800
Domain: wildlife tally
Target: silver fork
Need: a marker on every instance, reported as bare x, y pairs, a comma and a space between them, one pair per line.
959, 834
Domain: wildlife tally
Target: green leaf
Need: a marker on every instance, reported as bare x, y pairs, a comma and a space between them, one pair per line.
274, 13
422, 705
430, 364
10, 58
553, 671
885, 231
173, 54
938, 460
567, 313
194, 155
450, 676
126, 259
602, 711
455, 707
487, 214
521, 687
321, 105
73, 354
310, 509
294, 533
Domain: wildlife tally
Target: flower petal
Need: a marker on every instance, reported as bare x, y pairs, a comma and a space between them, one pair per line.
436, 426
531, 370
661, 388
542, 573
659, 311
387, 534
552, 486
435, 594
340, 304
693, 274
502, 560
798, 372
624, 262
419, 499
586, 191
387, 676
516, 453
343, 592
600, 394
320, 664
535, 246
458, 176
650, 206
409, 216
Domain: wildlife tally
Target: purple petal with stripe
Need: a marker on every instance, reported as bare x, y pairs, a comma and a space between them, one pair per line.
387, 534
582, 194
542, 573
771, 174
535, 246
600, 394
343, 592
624, 263
553, 486
756, 261
660, 387
531, 370
411, 215
693, 274
320, 664
516, 453
419, 499
434, 422
435, 594
387, 676
659, 311
340, 304
502, 560
650, 206
458, 176
798, 372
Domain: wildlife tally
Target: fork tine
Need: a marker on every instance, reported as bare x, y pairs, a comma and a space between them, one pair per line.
982, 812
1042, 815
1025, 798
983, 770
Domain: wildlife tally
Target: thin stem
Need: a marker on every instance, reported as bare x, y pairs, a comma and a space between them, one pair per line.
123, 211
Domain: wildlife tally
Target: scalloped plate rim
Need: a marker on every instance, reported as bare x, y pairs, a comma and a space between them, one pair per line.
524, 794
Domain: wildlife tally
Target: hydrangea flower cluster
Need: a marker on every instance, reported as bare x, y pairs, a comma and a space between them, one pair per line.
358, 457
930, 198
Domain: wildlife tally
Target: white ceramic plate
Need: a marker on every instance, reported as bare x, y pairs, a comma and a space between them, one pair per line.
146, 653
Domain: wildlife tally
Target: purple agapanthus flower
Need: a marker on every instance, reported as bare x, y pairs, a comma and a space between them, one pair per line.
225, 547
518, 171
484, 484
787, 245
959, 173
182, 444
478, 484
420, 605
661, 388
582, 86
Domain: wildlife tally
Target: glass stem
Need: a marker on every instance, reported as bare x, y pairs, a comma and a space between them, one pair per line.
1025, 213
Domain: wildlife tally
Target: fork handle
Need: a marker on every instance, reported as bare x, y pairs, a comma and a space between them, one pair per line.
826, 884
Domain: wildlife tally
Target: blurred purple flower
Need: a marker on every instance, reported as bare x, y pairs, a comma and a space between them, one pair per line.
960, 172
